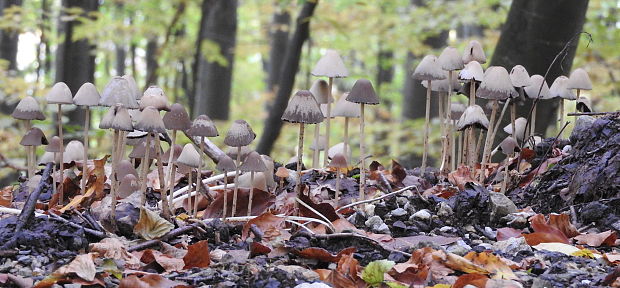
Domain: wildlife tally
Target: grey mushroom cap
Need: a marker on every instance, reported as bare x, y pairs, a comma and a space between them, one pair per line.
303, 108
337, 148
74, 152
53, 145
339, 161
474, 52
189, 156
122, 120
176, 151
363, 92
253, 163
28, 109
139, 150
442, 85
155, 97
232, 152
133, 86
34, 137
203, 127
473, 70
519, 76
509, 145
584, 104
429, 69
456, 110
532, 91
579, 79
559, 89
473, 116
118, 91
128, 185
87, 95
125, 167
226, 164
108, 118
150, 121
320, 91
520, 125
344, 108
450, 59
321, 145
59, 94
177, 118
496, 85
324, 111
239, 134
330, 65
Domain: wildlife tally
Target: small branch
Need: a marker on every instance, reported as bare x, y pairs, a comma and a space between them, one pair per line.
358, 236
6, 163
92, 232
166, 237
616, 113
379, 198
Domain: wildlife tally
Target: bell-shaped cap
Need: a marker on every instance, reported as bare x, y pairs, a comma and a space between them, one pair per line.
59, 94
344, 108
579, 79
473, 70
53, 145
519, 76
282, 172
339, 161
48, 157
429, 69
133, 86
320, 91
337, 148
253, 163
189, 156
34, 137
363, 92
125, 167
496, 85
319, 145
139, 150
260, 183
303, 108
177, 118
87, 95
450, 59
324, 111
509, 145
239, 134
118, 91
108, 118
584, 104
176, 151
232, 152
128, 185
474, 52
122, 120
442, 85
269, 172
203, 127
155, 97
74, 152
559, 89
226, 164
150, 121
28, 109
330, 65
456, 110
532, 91
473, 116
520, 125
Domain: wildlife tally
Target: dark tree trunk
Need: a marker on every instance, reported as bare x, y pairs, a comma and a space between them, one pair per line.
202, 35
385, 67
214, 81
534, 32
279, 29
8, 37
273, 123
120, 48
151, 62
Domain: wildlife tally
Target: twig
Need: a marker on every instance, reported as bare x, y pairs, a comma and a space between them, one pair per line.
167, 236
92, 232
361, 237
593, 113
8, 164
379, 198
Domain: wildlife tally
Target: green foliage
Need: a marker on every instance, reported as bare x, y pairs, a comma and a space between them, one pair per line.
373, 273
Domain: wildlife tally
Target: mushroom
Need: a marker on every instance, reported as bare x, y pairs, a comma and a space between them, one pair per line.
579, 80
60, 94
74, 152
520, 79
450, 60
473, 73
317, 145
238, 135
131, 82
538, 89
508, 146
151, 122
472, 117
282, 173
474, 52
202, 127
456, 110
428, 70
330, 66
362, 93
584, 104
559, 90
155, 97
320, 91
128, 185
252, 163
54, 147
33, 138
232, 152
520, 127
28, 109
339, 161
122, 122
190, 157
346, 109
125, 167
87, 96
176, 119
225, 164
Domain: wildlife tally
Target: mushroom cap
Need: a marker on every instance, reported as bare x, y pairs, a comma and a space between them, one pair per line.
59, 94
177, 118
456, 110
532, 90
259, 182
53, 145
450, 59
473, 116
339, 161
133, 86
337, 148
48, 157
155, 97
579, 79
232, 152
496, 84
344, 108
270, 168
282, 172
474, 52
134, 137
509, 145
303, 108
34, 137
139, 150
324, 111
320, 91
253, 163
330, 65
176, 151
150, 121
584, 104
321, 145
28, 109
189, 156
442, 85
118, 90
128, 185
520, 124
87, 95
108, 118
122, 120
239, 134
519, 76
74, 152
363, 92
124, 167
473, 70
559, 89
429, 69
203, 127
226, 164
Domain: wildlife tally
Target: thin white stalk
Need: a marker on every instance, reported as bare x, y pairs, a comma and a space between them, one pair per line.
62, 162
362, 154
171, 171
329, 116
84, 166
300, 152
316, 151
345, 150
251, 193
426, 122
145, 167
238, 162
316, 212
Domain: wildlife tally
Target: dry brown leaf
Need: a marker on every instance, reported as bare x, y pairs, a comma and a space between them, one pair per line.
607, 238
114, 249
544, 232
257, 249
264, 222
562, 222
6, 196
261, 201
463, 264
82, 266
149, 281
151, 226
506, 233
613, 257
478, 280
491, 263
323, 255
7, 279
166, 262
197, 255
460, 177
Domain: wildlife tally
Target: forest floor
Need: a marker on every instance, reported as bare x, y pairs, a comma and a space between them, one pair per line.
556, 226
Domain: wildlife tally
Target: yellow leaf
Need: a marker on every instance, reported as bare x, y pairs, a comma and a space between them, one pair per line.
584, 253
151, 226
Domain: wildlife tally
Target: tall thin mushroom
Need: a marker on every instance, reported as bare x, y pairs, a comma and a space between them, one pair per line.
472, 117
60, 94
538, 89
320, 91
225, 164
33, 138
87, 96
509, 147
339, 162
450, 60
190, 157
238, 135
202, 127
150, 122
520, 79
121, 122
560, 91
347, 110
28, 109
176, 119
252, 163
456, 110
54, 147
579, 80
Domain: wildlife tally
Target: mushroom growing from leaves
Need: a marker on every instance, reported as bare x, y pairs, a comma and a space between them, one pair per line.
238, 135
473, 73
150, 122
320, 91
282, 173
428, 70
202, 127
225, 164
33, 138
362, 93
128, 186
520, 127
330, 66
538, 89
121, 123
54, 147
473, 117
520, 79
176, 119
28, 109
347, 110
190, 157
60, 94
87, 96
252, 163
450, 60
560, 90
339, 162
579, 80
509, 147
302, 109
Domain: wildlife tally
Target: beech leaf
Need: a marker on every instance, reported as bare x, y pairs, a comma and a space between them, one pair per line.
151, 226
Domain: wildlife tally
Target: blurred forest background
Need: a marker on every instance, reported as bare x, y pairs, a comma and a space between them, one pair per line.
230, 59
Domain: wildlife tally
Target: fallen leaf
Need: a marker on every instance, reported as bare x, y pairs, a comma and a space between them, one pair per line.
197, 255
169, 264
493, 264
82, 266
612, 257
462, 264
325, 209
373, 273
151, 226
400, 243
478, 280
562, 222
114, 249
607, 238
257, 248
557, 247
18, 281
586, 253
149, 281
6, 196
506, 233
261, 201
460, 177
322, 254
264, 222
544, 232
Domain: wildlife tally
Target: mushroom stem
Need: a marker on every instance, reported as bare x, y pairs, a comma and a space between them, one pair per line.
197, 191
471, 146
441, 126
29, 160
478, 146
171, 171
472, 92
453, 146
300, 152
460, 150
329, 115
561, 116
316, 151
251, 193
189, 192
86, 127
338, 175
162, 181
234, 204
345, 150
506, 172
445, 143
533, 124
489, 140
113, 175
145, 167
363, 153
427, 119
62, 149
225, 197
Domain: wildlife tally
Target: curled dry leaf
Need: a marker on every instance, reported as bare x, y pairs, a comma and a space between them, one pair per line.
324, 208
544, 232
169, 264
323, 255
493, 264
264, 222
114, 249
562, 222
149, 281
197, 255
7, 280
474, 279
151, 226
346, 274
82, 266
460, 177
607, 238
257, 249
6, 196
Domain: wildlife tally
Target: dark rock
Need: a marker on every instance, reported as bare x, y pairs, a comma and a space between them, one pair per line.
593, 212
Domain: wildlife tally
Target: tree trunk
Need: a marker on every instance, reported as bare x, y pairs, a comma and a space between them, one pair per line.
9, 37
202, 31
151, 62
534, 32
279, 29
214, 82
120, 48
273, 123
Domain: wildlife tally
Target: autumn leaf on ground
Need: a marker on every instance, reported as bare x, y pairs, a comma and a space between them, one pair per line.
544, 232
114, 249
151, 226
566, 249
149, 281
607, 238
345, 275
477, 280
612, 257
506, 233
6, 196
197, 255
562, 222
263, 222
587, 253
460, 177
493, 264
169, 264
82, 266
323, 255
7, 279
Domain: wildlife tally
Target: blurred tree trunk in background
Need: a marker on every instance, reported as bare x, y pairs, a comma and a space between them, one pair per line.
202, 29
534, 32
213, 87
120, 47
9, 37
273, 123
279, 30
151, 62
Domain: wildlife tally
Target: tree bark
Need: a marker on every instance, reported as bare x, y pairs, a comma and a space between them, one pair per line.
9, 37
279, 31
273, 123
151, 62
213, 87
